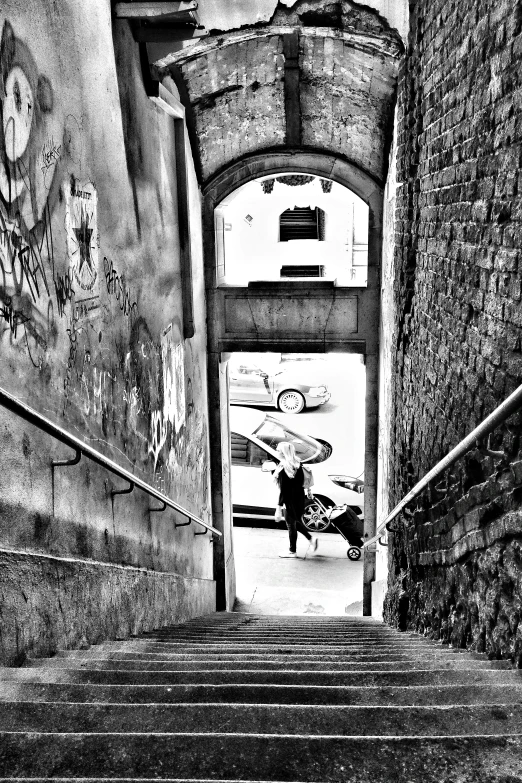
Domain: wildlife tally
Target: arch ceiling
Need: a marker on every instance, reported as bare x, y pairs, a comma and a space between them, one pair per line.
319, 75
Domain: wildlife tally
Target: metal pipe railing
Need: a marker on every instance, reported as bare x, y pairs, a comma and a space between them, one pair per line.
46, 425
499, 415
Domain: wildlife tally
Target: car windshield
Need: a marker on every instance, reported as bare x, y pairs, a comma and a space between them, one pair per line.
273, 432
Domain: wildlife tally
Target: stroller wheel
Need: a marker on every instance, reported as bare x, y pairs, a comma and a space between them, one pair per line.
354, 553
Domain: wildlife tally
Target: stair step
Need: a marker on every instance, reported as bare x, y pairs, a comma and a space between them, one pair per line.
290, 677
241, 698
406, 695
121, 653
315, 664
294, 649
278, 719
294, 634
284, 638
260, 757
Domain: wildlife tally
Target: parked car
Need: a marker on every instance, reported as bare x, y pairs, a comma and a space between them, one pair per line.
254, 439
291, 389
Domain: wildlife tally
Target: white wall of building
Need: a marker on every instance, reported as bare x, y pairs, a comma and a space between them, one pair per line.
248, 222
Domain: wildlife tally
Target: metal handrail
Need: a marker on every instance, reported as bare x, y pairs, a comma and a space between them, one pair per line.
500, 414
46, 425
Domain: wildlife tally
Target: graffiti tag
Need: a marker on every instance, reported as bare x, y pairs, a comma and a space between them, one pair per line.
49, 155
116, 286
12, 317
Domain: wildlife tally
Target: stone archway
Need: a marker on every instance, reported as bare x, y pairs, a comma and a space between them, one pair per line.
220, 304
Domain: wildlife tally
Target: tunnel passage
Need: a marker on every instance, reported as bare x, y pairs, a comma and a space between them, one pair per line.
305, 303
309, 94
328, 87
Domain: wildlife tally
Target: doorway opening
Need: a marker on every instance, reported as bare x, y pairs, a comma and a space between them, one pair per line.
292, 226
317, 403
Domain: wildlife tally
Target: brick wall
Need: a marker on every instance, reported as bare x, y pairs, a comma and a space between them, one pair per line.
456, 563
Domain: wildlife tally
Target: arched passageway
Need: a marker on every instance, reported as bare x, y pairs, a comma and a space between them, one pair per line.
311, 93
311, 315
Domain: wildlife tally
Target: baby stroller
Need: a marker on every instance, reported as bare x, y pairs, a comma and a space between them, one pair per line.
346, 522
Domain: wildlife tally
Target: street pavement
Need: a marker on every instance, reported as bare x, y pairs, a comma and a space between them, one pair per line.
326, 582
322, 583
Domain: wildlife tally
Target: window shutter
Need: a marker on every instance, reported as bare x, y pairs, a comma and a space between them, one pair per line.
301, 223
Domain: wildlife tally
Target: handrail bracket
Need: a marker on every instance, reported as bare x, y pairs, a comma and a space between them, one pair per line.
127, 491
158, 510
63, 463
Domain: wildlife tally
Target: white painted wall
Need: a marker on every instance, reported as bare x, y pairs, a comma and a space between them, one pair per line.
252, 250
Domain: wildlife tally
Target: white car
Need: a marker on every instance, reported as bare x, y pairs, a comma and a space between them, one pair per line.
254, 438
285, 386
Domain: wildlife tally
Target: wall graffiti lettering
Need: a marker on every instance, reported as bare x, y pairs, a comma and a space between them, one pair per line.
116, 286
49, 156
26, 202
158, 435
64, 291
73, 332
138, 391
21, 260
12, 317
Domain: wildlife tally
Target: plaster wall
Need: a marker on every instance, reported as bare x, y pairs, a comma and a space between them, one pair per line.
91, 336
236, 88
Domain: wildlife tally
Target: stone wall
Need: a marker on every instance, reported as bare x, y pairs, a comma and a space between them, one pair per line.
322, 79
456, 560
222, 15
91, 334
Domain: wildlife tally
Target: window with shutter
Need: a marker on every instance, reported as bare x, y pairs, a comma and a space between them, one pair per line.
301, 223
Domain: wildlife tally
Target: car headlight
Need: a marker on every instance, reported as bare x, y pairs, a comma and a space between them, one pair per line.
318, 391
356, 485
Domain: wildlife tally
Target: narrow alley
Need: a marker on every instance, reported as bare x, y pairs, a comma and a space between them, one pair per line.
185, 184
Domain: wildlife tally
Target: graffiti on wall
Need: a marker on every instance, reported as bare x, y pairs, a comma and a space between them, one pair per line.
26, 242
81, 225
173, 379
71, 308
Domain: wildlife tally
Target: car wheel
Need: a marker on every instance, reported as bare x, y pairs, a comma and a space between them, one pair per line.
291, 401
314, 518
354, 553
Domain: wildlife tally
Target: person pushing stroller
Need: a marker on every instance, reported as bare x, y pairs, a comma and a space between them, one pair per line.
294, 484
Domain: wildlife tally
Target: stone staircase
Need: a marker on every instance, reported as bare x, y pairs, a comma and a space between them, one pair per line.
232, 697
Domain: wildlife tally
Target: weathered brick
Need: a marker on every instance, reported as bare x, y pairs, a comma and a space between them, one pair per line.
462, 294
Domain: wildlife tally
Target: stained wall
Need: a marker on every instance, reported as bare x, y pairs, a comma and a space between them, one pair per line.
341, 103
91, 335
456, 325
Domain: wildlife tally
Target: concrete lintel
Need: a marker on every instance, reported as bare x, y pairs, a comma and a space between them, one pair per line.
153, 10
291, 345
